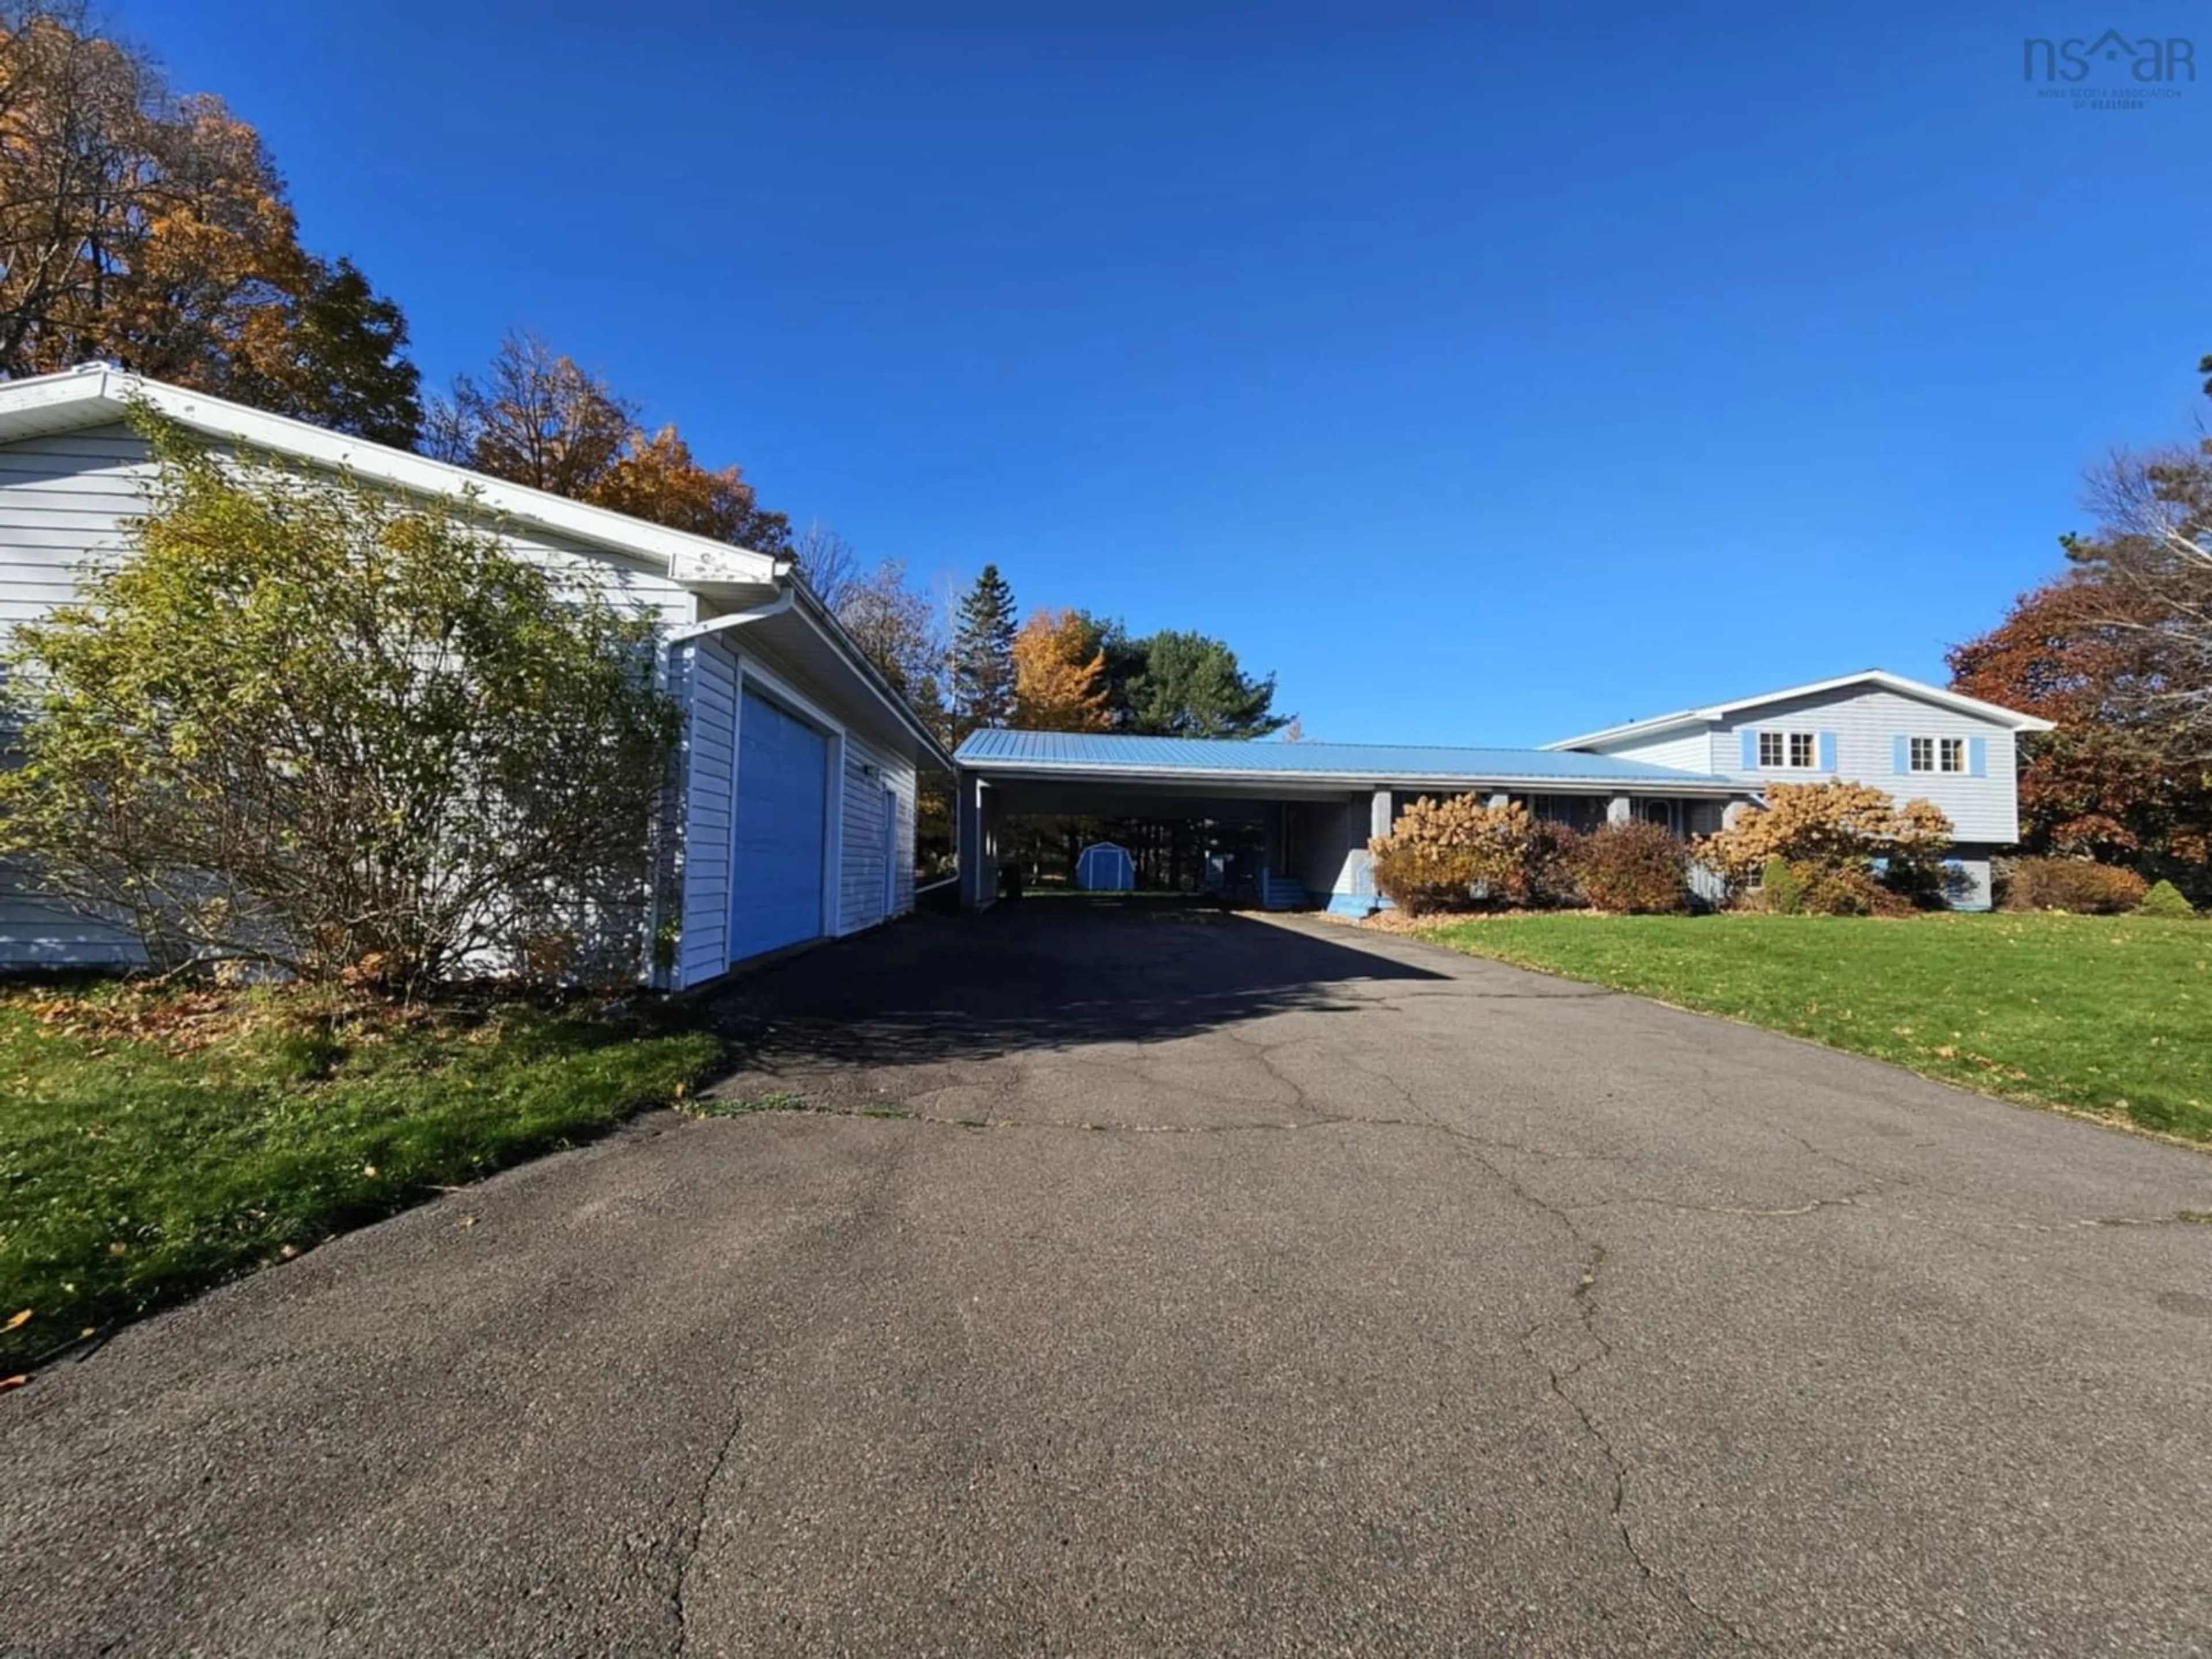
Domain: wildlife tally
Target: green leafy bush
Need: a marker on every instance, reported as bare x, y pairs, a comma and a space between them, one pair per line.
1635, 868
2075, 884
310, 726
2165, 899
1780, 890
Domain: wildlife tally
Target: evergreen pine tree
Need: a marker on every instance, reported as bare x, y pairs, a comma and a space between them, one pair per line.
983, 655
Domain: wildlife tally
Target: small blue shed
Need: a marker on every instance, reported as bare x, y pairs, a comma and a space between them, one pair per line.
1105, 868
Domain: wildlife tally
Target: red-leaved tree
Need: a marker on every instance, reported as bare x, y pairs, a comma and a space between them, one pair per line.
2106, 783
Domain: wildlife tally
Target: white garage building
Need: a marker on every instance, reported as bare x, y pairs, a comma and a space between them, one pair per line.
793, 817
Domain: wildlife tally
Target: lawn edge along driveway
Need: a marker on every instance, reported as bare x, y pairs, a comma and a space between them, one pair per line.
2103, 1017
156, 1142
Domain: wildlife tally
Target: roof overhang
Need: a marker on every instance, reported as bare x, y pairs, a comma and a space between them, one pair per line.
726, 578
799, 631
1291, 785
1715, 713
98, 395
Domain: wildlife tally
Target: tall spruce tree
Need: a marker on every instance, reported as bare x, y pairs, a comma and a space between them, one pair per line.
983, 655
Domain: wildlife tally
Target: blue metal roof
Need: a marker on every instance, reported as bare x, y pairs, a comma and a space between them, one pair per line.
1078, 753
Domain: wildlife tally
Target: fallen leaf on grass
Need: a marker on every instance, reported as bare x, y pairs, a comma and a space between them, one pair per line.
16, 1321
8, 1383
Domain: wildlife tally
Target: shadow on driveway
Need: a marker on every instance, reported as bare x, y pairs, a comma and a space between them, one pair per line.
1037, 975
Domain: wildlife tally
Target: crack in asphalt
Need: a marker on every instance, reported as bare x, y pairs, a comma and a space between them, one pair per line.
1840, 1200
1582, 1302
689, 1546
1002, 1080
867, 1210
2177, 1219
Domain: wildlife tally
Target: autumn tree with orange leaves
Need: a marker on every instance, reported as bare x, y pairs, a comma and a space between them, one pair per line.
154, 231
537, 417
1059, 668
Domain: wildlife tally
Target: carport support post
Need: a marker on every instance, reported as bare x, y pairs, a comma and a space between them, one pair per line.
979, 870
1617, 810
1378, 815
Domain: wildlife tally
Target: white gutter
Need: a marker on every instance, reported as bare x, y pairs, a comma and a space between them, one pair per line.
825, 623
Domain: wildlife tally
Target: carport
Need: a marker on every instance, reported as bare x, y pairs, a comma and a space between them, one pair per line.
1318, 803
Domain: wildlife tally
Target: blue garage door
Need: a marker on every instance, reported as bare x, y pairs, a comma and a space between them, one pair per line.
783, 777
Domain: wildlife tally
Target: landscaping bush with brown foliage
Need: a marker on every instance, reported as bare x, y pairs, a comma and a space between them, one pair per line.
1846, 890
1452, 854
1834, 826
1633, 867
2077, 884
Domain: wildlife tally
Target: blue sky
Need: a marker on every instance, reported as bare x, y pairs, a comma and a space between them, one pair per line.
1489, 372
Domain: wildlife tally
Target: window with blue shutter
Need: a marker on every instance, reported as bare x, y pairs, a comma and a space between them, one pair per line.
1977, 757
1750, 750
1900, 755
1828, 752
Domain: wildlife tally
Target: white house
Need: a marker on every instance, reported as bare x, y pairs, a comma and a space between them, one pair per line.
1911, 741
794, 817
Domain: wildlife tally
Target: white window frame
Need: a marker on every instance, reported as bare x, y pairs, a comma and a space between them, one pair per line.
1920, 754
1779, 741
1808, 744
1951, 755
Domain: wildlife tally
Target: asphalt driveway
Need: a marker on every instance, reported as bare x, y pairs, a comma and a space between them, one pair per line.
1156, 1282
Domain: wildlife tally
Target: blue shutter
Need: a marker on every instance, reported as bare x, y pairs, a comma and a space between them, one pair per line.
1977, 757
1750, 750
1900, 755
1828, 752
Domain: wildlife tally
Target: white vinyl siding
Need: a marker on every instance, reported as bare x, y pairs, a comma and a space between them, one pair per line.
1685, 751
711, 674
62, 503
875, 781
37, 934
1867, 722
709, 772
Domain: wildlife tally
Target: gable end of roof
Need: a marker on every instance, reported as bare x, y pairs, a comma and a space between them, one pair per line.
2012, 718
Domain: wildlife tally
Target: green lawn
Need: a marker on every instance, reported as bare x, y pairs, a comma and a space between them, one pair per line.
153, 1144
2112, 1015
